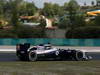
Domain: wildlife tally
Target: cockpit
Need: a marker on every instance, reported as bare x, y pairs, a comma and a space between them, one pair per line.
47, 47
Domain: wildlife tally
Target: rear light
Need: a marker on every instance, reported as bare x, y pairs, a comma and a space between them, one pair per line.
17, 47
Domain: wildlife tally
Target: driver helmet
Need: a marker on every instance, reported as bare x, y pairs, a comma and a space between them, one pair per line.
48, 46
40, 47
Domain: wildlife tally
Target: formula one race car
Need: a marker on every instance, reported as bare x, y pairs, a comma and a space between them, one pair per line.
26, 53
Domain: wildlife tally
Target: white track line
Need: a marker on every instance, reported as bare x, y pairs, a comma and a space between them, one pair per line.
7, 50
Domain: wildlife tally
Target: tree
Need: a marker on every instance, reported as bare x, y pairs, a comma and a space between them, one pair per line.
73, 18
80, 20
42, 23
51, 10
63, 22
48, 10
27, 9
73, 9
2, 4
14, 12
57, 9
65, 8
97, 20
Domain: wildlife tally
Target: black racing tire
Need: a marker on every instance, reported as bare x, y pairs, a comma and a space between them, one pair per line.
32, 56
78, 56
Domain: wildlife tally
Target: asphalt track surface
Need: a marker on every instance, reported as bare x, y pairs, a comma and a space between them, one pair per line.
10, 56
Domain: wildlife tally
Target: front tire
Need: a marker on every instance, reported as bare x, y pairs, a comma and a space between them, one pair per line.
32, 56
78, 56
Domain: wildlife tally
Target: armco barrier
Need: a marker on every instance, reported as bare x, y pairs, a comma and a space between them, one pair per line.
57, 42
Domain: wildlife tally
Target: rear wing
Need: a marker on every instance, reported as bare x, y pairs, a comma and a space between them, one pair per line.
23, 47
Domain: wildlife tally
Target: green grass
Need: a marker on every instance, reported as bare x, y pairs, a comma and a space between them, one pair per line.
50, 68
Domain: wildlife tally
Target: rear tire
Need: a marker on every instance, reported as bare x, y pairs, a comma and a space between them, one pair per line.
32, 56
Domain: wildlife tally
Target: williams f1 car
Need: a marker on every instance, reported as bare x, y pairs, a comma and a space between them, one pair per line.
27, 53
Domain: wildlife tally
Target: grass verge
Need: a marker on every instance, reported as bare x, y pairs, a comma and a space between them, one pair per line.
50, 68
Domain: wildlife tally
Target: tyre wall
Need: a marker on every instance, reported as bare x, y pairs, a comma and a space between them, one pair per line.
56, 42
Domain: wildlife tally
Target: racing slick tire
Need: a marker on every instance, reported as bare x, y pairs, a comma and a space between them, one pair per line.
32, 56
78, 56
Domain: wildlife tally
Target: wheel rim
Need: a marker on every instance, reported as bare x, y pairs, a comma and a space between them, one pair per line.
32, 56
79, 55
